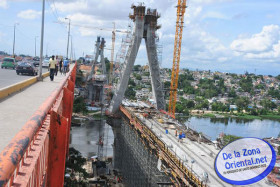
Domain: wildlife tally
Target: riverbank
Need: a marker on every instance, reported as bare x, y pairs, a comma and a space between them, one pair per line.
214, 126
215, 114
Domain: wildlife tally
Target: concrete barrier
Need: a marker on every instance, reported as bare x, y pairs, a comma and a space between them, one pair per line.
5, 92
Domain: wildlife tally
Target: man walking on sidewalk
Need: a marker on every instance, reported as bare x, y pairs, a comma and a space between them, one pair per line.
65, 66
52, 67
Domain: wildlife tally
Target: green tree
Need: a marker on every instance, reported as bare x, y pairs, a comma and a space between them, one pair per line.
131, 83
232, 93
274, 93
76, 162
137, 68
130, 93
107, 64
242, 104
246, 84
138, 77
167, 84
79, 105
218, 106
268, 104
146, 73
138, 87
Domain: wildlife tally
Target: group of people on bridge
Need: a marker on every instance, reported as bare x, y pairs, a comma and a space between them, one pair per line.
56, 63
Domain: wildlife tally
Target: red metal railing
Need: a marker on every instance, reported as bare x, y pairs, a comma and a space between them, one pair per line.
36, 155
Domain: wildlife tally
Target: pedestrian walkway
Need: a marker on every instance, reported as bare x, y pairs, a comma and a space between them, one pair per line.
16, 110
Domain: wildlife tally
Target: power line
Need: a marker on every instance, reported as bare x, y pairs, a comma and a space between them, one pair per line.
55, 15
54, 11
24, 34
55, 8
90, 27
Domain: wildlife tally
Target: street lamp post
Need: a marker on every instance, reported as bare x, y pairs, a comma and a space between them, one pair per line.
47, 48
42, 41
14, 42
68, 37
35, 45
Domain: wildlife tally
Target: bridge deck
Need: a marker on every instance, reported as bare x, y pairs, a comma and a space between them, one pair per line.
187, 149
16, 110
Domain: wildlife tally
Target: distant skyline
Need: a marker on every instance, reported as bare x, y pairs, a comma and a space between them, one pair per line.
223, 35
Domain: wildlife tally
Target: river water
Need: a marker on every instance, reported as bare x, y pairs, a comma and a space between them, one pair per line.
212, 127
85, 138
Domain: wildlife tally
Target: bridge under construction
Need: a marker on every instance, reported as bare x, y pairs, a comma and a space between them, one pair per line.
151, 148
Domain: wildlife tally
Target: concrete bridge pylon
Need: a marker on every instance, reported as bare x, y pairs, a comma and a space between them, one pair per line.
145, 26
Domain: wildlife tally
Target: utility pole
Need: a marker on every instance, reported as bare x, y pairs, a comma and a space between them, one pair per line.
42, 41
35, 45
68, 38
47, 47
14, 43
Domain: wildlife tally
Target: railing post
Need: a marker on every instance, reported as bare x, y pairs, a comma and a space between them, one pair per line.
57, 150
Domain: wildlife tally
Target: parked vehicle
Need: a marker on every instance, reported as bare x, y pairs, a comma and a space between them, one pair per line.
36, 61
9, 63
45, 62
36, 58
26, 68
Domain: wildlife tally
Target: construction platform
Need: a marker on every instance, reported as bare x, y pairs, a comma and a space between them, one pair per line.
187, 155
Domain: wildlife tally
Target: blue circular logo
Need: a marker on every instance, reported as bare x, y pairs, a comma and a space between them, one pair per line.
245, 161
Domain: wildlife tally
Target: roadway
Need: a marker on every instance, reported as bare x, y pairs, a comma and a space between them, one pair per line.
9, 77
16, 110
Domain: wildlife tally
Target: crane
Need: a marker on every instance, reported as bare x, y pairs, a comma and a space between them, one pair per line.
176, 56
113, 42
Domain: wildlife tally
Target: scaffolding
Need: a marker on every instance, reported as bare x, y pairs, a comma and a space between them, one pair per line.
137, 161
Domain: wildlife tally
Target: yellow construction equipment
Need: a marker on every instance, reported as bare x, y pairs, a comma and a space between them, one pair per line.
176, 56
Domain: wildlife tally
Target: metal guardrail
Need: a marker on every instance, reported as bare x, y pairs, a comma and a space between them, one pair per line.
36, 155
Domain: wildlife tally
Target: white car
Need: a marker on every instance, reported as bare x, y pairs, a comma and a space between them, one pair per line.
45, 62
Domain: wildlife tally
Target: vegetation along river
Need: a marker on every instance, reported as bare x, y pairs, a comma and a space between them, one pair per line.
212, 127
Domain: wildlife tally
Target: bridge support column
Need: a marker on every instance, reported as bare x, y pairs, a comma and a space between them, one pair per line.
135, 159
154, 66
129, 59
116, 127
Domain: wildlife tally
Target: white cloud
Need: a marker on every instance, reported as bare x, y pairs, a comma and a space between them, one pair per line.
75, 6
264, 45
3, 4
88, 25
198, 45
29, 14
215, 15
209, 1
260, 42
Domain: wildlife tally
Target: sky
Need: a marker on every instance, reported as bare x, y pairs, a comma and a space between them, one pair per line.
219, 35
